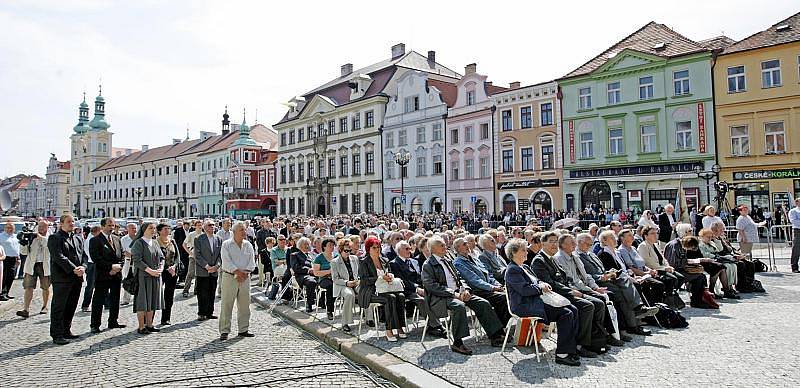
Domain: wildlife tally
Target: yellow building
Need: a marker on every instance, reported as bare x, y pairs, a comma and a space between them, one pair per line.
757, 96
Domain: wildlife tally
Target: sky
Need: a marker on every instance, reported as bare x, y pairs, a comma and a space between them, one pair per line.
168, 66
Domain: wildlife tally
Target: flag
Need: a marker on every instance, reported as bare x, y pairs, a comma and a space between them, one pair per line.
680, 203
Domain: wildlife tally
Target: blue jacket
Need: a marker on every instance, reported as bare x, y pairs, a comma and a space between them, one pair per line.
523, 293
475, 274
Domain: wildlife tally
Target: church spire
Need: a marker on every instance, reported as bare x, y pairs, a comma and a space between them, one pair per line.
83, 117
99, 123
244, 133
226, 123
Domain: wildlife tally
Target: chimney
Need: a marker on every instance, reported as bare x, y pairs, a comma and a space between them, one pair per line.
176, 141
127, 151
347, 68
145, 147
488, 83
431, 56
514, 85
470, 69
398, 50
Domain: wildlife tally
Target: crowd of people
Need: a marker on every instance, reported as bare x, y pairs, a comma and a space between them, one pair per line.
397, 270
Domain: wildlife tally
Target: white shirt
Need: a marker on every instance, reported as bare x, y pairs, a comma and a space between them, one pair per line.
450, 277
86, 248
235, 257
224, 235
709, 220
126, 241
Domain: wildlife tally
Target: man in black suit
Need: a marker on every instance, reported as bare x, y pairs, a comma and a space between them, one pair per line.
592, 334
412, 282
665, 222
106, 252
66, 276
301, 267
207, 248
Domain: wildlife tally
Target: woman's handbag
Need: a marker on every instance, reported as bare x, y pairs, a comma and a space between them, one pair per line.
554, 300
694, 269
382, 286
131, 282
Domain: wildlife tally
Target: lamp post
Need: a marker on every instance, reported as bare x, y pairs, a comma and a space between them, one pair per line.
139, 200
86, 197
223, 181
708, 176
402, 158
49, 206
181, 203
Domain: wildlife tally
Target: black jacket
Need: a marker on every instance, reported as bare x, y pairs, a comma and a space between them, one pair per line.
66, 252
405, 271
664, 228
300, 263
548, 271
608, 261
105, 254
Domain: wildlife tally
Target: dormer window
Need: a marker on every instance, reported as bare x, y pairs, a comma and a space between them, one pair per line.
470, 97
412, 104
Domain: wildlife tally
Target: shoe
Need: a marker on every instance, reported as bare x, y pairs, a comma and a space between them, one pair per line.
330, 316
639, 330
402, 335
246, 334
43, 311
461, 350
719, 296
346, 328
152, 329
23, 313
223, 336
185, 294
568, 361
116, 326
437, 332
71, 336
124, 303
213, 317
9, 297
731, 294
165, 323
85, 310
143, 331
615, 342
586, 353
599, 351
60, 341
371, 323
3, 298
391, 339
625, 337
644, 311
202, 318
96, 330
796, 271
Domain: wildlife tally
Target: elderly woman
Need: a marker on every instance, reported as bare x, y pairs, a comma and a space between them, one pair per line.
322, 270
524, 291
171, 263
646, 219
715, 265
149, 263
344, 272
371, 267
302, 268
710, 217
652, 288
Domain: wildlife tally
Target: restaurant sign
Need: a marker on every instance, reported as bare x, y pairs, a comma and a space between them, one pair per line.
527, 184
676, 168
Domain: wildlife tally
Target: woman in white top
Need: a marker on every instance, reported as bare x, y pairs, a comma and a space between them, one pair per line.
647, 219
711, 217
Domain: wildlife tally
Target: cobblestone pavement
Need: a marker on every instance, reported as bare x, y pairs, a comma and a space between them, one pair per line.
751, 342
187, 353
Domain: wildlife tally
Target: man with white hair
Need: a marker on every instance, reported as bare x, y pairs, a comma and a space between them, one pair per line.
37, 267
666, 222
480, 280
412, 285
126, 242
491, 259
238, 261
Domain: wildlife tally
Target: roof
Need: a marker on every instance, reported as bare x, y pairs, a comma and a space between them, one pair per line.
447, 90
770, 37
717, 43
66, 165
165, 152
493, 89
644, 40
122, 151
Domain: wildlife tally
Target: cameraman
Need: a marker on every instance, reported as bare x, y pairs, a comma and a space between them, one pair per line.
25, 238
37, 267
10, 244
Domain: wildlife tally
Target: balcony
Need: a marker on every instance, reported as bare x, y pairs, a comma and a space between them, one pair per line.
242, 193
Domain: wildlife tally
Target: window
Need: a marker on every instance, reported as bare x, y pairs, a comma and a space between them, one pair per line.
369, 200
469, 169
420, 135
525, 119
585, 98
484, 166
321, 130
507, 126
680, 79
587, 145
775, 138
547, 157
343, 125
736, 80
740, 141
412, 104
648, 133
310, 168
454, 170
616, 146
283, 144
356, 164
300, 135
301, 172
301, 206
437, 165
437, 132
369, 118
454, 136
421, 166
546, 114
402, 137
526, 159
331, 168
356, 203
291, 173
370, 163
309, 129
484, 131
291, 205
193, 169
389, 139
614, 93
457, 205
771, 73
331, 127
508, 160
390, 169
470, 97
343, 204
321, 167
646, 88
683, 131
357, 121
468, 134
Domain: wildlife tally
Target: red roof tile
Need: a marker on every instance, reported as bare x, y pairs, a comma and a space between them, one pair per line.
447, 90
789, 32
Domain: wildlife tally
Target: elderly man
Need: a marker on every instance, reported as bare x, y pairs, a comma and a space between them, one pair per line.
207, 248
224, 234
444, 290
188, 245
392, 238
412, 285
748, 230
66, 275
480, 281
238, 261
126, 242
10, 244
106, 251
37, 268
666, 222
302, 268
491, 258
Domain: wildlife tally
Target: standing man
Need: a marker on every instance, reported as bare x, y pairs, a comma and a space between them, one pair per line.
794, 218
88, 262
105, 250
207, 258
126, 242
666, 221
748, 230
224, 234
9, 242
188, 245
238, 261
37, 267
179, 235
66, 274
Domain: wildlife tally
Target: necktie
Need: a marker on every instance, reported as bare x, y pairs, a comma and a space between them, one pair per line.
452, 272
660, 257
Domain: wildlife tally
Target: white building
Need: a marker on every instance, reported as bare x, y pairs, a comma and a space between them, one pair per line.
57, 179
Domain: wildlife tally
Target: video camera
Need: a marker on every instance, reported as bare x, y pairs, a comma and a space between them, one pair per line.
26, 236
721, 187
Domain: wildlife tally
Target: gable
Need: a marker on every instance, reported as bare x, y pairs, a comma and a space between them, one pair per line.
318, 104
628, 58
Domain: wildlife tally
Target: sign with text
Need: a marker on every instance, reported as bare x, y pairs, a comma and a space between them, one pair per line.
527, 184
767, 174
701, 126
571, 142
676, 168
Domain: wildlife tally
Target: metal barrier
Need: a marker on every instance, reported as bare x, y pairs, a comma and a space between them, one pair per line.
780, 239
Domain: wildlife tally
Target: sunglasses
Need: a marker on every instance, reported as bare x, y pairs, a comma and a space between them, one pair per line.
346, 250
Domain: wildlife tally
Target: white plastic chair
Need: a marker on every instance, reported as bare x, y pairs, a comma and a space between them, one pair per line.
445, 322
374, 308
517, 320
298, 292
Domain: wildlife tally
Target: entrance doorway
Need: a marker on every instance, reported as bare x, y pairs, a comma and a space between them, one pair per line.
480, 206
436, 205
542, 201
321, 206
509, 204
596, 194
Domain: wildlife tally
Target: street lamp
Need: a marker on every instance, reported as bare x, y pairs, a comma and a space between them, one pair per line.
402, 158
86, 197
139, 198
49, 206
181, 202
708, 176
223, 181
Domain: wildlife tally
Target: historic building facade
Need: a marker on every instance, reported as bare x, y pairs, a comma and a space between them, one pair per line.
57, 187
638, 122
251, 175
528, 159
757, 94
469, 134
414, 125
90, 148
330, 146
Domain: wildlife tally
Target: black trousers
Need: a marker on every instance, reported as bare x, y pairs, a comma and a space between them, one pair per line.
310, 284
169, 295
105, 289
62, 308
591, 320
184, 267
746, 272
9, 273
206, 287
672, 281
394, 306
498, 302
714, 270
653, 291
566, 319
697, 284
327, 284
88, 291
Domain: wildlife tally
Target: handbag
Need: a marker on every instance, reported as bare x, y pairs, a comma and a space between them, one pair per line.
554, 300
612, 313
382, 286
694, 269
131, 282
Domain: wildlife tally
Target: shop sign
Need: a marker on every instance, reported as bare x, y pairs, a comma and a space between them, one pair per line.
571, 142
676, 168
767, 174
527, 184
701, 126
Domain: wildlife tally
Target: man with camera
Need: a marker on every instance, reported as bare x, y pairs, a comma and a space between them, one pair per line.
11, 246
36, 269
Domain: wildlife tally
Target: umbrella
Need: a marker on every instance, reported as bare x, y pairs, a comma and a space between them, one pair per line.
564, 223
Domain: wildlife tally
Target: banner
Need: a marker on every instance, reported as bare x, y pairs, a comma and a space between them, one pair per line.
701, 126
571, 142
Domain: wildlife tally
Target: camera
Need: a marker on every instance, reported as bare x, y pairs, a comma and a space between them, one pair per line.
722, 187
26, 236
